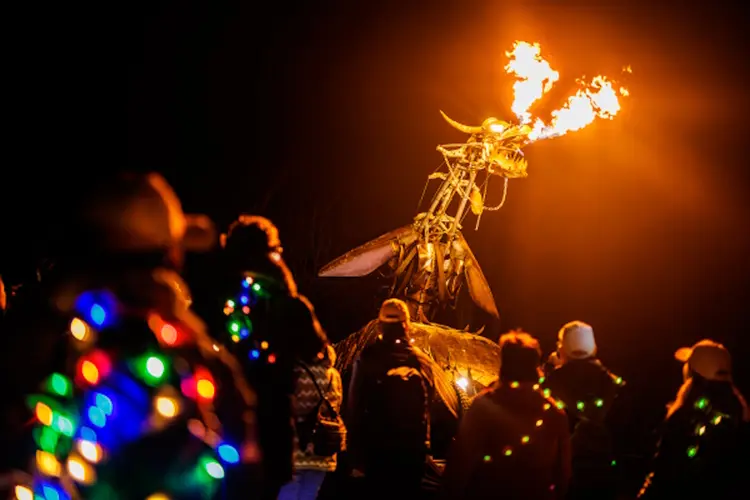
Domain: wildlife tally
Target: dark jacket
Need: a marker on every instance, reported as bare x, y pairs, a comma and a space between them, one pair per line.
703, 445
374, 360
512, 442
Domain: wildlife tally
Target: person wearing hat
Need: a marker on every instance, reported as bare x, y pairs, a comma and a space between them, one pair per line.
118, 297
702, 450
392, 388
587, 390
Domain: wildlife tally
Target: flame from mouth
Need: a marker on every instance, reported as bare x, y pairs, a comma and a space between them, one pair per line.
597, 98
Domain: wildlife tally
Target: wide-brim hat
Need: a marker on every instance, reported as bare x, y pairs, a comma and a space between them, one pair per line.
136, 212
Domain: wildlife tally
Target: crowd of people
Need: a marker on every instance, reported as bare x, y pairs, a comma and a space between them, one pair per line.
118, 389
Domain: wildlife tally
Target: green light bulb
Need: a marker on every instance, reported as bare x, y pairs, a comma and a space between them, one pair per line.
63, 425
599, 403
701, 404
256, 287
580, 405
59, 384
234, 327
692, 451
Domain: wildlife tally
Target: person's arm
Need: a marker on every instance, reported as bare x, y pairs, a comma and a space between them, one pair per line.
466, 451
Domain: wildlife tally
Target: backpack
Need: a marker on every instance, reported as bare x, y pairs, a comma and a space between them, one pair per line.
396, 418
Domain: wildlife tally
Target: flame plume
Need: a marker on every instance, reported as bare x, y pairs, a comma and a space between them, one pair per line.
597, 98
534, 76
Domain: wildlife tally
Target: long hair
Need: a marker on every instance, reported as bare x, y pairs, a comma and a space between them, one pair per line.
724, 397
305, 332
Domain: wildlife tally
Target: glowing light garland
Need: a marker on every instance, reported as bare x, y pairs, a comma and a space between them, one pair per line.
85, 418
239, 323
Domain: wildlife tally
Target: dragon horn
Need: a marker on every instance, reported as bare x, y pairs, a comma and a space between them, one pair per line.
459, 126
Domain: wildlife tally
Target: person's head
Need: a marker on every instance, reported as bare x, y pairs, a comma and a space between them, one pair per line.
308, 340
576, 341
707, 359
394, 320
707, 373
137, 219
520, 357
252, 245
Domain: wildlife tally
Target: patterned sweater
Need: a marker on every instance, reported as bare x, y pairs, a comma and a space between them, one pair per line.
306, 400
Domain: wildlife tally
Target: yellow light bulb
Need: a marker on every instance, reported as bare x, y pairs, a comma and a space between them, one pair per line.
90, 372
539, 422
47, 464
43, 413
78, 329
90, 451
167, 407
80, 471
24, 493
158, 496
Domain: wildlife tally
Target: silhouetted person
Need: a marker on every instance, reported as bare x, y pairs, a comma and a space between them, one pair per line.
390, 394
317, 401
513, 442
130, 391
587, 390
703, 450
256, 293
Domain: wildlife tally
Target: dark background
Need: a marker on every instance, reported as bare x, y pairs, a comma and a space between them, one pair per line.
324, 117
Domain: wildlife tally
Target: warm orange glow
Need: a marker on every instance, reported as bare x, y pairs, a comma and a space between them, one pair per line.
47, 464
23, 493
534, 74
205, 388
78, 329
89, 450
43, 413
89, 372
168, 334
167, 407
597, 98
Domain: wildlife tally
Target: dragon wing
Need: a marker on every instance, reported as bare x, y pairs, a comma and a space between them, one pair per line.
479, 289
366, 258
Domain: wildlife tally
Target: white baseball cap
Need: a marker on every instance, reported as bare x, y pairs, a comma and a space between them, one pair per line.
708, 359
576, 340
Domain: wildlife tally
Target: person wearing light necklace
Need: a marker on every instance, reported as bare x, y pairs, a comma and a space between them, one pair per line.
513, 440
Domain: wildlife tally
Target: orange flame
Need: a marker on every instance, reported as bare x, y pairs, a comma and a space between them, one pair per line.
535, 77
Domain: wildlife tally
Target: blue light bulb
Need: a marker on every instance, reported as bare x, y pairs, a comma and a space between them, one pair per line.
97, 417
255, 354
244, 299
104, 404
228, 453
97, 314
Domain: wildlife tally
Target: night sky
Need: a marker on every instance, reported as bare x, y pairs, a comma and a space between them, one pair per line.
325, 119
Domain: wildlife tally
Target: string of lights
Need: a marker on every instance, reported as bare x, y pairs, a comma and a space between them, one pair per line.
112, 399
